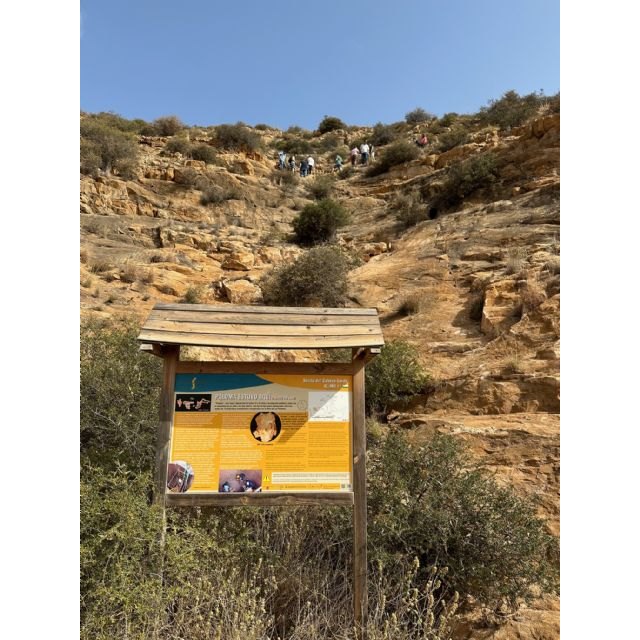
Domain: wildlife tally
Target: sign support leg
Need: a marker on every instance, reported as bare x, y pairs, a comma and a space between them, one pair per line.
360, 602
170, 356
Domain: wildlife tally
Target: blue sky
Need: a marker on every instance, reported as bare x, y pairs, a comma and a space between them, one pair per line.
288, 62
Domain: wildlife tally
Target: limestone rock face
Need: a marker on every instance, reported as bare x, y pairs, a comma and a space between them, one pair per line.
239, 261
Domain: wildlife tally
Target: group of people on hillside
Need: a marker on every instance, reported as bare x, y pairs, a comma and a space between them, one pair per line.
306, 166
366, 152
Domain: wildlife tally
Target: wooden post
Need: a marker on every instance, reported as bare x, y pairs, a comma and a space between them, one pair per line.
170, 356
360, 601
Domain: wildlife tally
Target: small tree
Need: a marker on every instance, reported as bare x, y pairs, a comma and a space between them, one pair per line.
417, 116
237, 137
318, 223
393, 376
168, 125
316, 278
106, 148
330, 123
511, 109
431, 501
397, 153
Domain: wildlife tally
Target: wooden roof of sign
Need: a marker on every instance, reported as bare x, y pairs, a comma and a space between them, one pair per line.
205, 325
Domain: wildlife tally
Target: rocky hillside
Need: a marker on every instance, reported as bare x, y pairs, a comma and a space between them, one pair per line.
474, 286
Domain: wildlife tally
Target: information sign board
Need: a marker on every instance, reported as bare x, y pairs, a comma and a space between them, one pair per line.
248, 433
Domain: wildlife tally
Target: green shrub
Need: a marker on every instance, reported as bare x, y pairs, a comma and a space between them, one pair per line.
263, 127
119, 392
328, 143
287, 180
466, 177
330, 123
104, 147
322, 187
319, 222
385, 134
114, 121
193, 295
167, 126
448, 119
431, 502
237, 137
417, 116
511, 109
205, 153
408, 209
178, 144
452, 138
296, 146
215, 194
397, 153
394, 376
317, 278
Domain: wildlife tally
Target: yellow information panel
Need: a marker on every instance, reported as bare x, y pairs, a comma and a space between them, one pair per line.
239, 433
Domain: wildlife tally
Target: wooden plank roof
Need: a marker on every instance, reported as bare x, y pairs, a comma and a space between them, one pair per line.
256, 327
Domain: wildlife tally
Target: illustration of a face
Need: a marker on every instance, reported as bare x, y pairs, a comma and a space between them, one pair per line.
266, 429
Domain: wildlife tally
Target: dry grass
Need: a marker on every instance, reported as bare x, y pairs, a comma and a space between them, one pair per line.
532, 295
410, 304
516, 259
86, 282
166, 289
99, 265
552, 266
129, 273
84, 255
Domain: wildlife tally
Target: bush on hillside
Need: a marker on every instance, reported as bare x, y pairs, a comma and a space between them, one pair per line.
330, 123
317, 278
319, 222
448, 119
431, 502
393, 377
237, 137
167, 126
119, 392
409, 210
450, 139
295, 146
178, 144
106, 148
115, 121
466, 177
418, 116
322, 187
397, 153
385, 133
205, 153
511, 110
215, 194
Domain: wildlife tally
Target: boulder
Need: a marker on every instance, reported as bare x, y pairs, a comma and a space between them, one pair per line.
241, 291
239, 261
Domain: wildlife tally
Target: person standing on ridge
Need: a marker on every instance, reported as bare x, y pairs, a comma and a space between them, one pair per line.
364, 153
338, 163
292, 163
282, 156
311, 162
354, 156
304, 167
